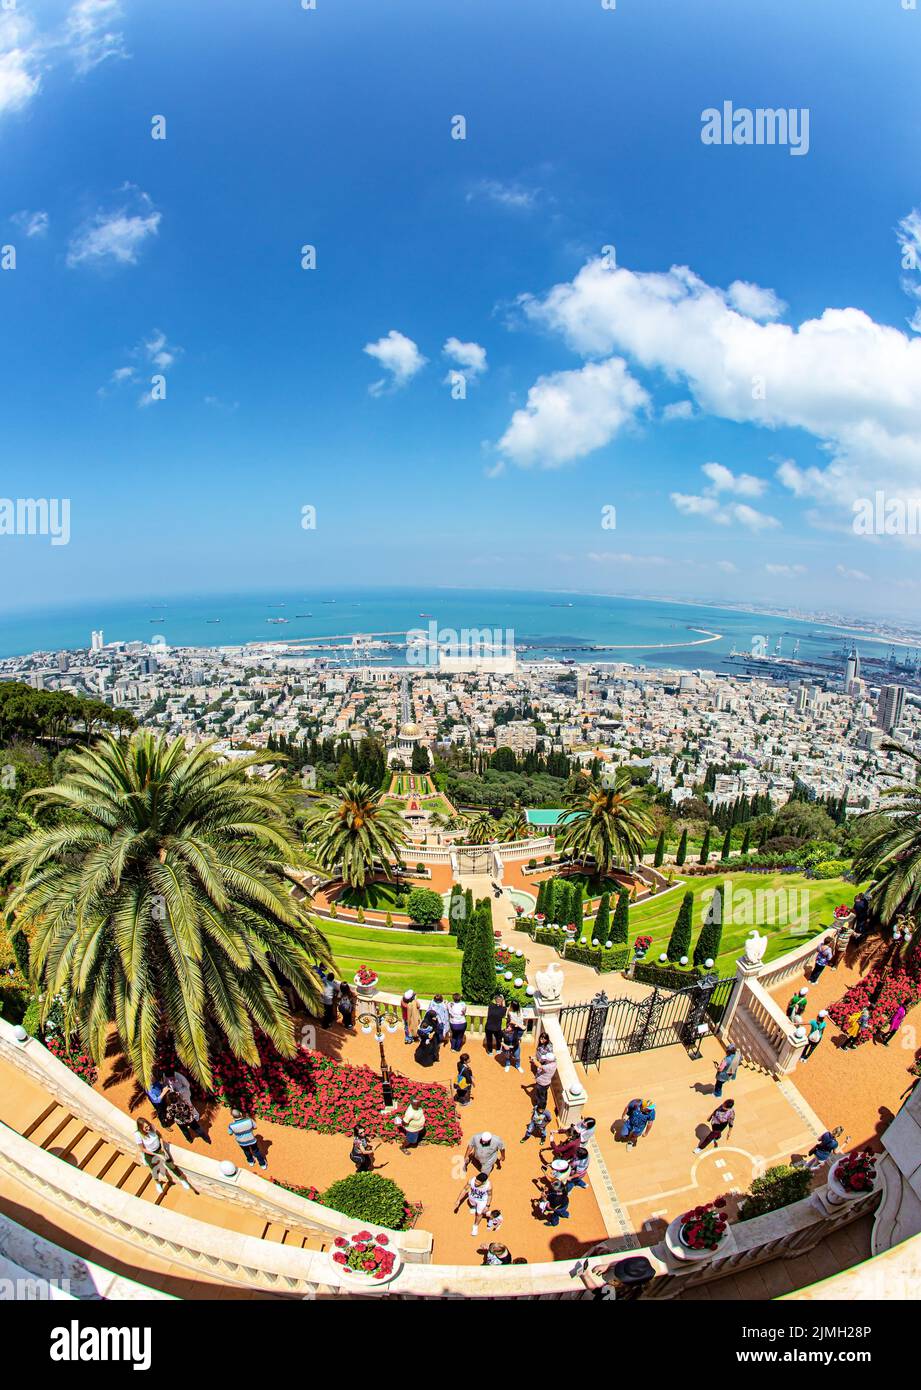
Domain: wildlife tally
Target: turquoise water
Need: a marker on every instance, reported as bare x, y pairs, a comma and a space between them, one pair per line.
542, 624
522, 899
547, 817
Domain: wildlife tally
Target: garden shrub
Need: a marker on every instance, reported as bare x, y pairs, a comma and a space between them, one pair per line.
777, 1187
665, 976
425, 906
368, 1197
31, 1016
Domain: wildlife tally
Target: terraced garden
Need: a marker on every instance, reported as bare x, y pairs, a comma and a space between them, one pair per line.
794, 920
428, 962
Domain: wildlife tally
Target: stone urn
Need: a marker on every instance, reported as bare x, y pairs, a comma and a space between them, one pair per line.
836, 1194
365, 983
678, 1247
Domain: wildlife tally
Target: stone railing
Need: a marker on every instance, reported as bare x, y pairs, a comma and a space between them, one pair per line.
241, 1187
759, 1027
476, 1013
793, 964
49, 1271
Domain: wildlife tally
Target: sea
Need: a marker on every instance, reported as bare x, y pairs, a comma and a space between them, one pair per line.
541, 625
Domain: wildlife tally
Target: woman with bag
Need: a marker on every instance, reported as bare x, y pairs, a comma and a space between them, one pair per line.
463, 1082
157, 1157
362, 1151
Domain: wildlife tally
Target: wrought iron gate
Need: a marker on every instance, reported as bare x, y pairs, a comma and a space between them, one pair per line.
613, 1027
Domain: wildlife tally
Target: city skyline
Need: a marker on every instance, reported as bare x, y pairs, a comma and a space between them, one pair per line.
684, 367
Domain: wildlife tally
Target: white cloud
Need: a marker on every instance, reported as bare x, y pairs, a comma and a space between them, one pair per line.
399, 356
852, 383
754, 301
857, 575
727, 567
678, 410
724, 480
20, 60
569, 414
470, 357
514, 196
117, 235
622, 557
710, 504
89, 35
786, 571
31, 223
152, 352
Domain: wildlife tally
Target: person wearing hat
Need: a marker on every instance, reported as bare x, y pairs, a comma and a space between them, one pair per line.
409, 1008
624, 1280
817, 1028
726, 1070
495, 1253
798, 1002
637, 1120
485, 1150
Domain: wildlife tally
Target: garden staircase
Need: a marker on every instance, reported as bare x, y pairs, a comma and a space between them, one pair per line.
67, 1137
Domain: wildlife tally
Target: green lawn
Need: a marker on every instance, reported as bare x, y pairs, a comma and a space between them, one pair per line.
379, 897
428, 962
656, 917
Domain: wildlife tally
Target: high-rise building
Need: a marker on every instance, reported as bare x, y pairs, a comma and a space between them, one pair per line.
852, 668
889, 707
96, 640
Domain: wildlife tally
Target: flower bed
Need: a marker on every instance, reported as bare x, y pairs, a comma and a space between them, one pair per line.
365, 1255
900, 986
79, 1061
310, 1091
704, 1227
856, 1172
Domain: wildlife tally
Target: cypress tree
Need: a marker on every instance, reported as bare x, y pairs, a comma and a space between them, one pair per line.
541, 897
20, 944
727, 846
621, 928
465, 919
602, 929
660, 851
478, 969
746, 840
705, 847
682, 854
711, 933
576, 904
679, 943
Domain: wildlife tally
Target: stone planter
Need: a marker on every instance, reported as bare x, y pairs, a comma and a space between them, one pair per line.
355, 1279
836, 1195
681, 1251
365, 991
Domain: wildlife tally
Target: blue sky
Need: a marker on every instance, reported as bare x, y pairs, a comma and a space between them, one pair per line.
180, 258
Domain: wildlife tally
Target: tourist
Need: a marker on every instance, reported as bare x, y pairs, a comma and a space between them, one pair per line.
537, 1125
463, 1081
346, 1005
723, 1118
362, 1151
554, 1205
568, 1144
495, 1253
494, 1219
156, 1094
798, 1003
409, 1008
477, 1193
585, 1128
854, 1025
439, 1008
511, 1037
495, 1017
638, 1119
544, 1066
329, 999
243, 1130
578, 1167
179, 1111
817, 1028
485, 1150
823, 958
457, 1022
861, 910
624, 1280
895, 1024
429, 1035
726, 1070
824, 1149
156, 1155
411, 1124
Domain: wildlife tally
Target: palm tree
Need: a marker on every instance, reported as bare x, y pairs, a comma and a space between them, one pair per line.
480, 827
514, 824
354, 830
156, 897
891, 855
608, 824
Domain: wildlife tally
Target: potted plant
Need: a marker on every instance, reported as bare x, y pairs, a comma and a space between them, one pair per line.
640, 946
700, 1232
365, 982
365, 1258
853, 1176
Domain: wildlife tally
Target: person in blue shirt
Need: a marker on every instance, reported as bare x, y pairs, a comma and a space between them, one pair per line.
156, 1094
244, 1131
637, 1120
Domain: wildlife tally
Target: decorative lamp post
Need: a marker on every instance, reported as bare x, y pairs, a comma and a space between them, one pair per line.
375, 1021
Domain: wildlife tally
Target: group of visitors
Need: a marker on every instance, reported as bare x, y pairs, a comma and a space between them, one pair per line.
171, 1097
338, 1001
